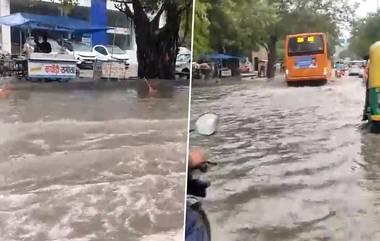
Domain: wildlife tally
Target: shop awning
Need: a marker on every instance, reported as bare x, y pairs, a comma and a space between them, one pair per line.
53, 23
216, 56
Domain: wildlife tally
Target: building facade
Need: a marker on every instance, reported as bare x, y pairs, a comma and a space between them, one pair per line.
100, 12
260, 60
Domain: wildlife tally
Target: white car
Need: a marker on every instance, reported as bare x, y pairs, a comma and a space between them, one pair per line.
354, 70
109, 53
183, 62
82, 52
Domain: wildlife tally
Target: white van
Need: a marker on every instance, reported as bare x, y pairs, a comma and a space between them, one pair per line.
183, 62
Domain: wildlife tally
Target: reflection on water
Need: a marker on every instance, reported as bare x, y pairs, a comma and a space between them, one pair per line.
92, 165
294, 163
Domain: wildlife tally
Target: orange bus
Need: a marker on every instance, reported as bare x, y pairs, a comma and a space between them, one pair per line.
307, 59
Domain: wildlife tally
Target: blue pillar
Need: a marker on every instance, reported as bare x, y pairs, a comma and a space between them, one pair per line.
99, 17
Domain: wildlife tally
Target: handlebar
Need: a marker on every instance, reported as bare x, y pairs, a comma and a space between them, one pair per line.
198, 187
204, 167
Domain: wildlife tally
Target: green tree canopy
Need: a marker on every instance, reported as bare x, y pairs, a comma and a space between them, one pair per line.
201, 42
66, 5
241, 26
365, 32
347, 53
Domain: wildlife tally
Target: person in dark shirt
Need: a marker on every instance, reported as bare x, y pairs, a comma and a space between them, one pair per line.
45, 46
37, 45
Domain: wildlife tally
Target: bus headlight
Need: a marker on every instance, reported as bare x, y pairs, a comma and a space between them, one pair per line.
286, 71
324, 71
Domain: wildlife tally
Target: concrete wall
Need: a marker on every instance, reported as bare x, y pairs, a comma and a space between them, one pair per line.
261, 54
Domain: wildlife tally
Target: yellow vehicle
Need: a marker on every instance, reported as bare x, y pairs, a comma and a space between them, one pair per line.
372, 106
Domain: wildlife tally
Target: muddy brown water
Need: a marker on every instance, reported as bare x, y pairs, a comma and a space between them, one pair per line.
91, 164
295, 164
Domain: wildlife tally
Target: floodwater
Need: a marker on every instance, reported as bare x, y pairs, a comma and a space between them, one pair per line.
91, 165
295, 164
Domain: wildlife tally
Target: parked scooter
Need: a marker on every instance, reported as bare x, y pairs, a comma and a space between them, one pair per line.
197, 224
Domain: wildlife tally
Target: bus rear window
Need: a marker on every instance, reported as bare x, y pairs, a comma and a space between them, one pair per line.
304, 45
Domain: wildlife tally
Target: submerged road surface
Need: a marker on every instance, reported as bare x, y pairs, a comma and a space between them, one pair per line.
91, 165
295, 164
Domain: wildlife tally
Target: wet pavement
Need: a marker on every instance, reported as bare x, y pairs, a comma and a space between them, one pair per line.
91, 164
295, 164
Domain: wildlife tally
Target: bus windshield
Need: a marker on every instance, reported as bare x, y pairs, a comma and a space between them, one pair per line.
304, 45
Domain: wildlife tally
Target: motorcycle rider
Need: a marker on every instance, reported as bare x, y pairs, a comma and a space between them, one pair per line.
195, 229
196, 158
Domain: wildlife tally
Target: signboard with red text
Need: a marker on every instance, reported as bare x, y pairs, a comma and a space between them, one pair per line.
51, 70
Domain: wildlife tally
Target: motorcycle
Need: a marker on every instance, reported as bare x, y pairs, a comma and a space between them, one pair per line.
339, 73
197, 223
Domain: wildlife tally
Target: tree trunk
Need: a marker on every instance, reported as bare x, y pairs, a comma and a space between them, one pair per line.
146, 50
156, 47
272, 55
168, 41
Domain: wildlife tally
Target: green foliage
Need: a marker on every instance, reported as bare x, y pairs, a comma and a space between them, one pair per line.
299, 16
240, 26
151, 5
186, 27
347, 53
66, 5
365, 32
280, 51
201, 42
154, 7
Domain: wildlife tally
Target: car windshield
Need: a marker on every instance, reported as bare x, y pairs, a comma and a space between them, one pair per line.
78, 46
115, 49
183, 57
303, 45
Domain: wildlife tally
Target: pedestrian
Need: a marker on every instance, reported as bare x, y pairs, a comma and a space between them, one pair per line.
37, 45
45, 46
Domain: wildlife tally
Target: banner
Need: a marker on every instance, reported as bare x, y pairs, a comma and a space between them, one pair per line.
305, 62
56, 70
226, 73
113, 70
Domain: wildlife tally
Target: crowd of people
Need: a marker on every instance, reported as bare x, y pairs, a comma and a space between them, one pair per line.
37, 46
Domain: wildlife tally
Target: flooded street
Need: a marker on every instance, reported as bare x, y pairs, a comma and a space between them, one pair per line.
295, 164
92, 165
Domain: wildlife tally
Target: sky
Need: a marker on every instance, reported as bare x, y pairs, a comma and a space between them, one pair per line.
366, 6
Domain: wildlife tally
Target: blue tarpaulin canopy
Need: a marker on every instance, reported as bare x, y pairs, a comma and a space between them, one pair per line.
46, 22
216, 56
